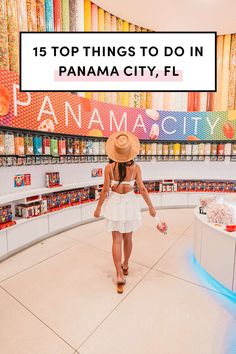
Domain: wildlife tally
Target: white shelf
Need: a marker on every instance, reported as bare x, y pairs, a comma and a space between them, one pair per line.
41, 191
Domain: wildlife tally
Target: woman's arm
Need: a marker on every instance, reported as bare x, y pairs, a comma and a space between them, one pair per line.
144, 192
105, 190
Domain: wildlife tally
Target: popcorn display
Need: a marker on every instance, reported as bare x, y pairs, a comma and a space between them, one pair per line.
218, 213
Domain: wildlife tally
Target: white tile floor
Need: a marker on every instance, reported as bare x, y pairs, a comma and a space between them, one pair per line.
58, 297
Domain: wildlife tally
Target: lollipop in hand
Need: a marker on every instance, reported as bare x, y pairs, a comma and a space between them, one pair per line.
161, 226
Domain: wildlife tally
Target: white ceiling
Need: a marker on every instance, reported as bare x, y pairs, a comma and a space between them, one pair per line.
176, 15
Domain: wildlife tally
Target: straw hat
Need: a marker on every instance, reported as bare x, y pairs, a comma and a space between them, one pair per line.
122, 146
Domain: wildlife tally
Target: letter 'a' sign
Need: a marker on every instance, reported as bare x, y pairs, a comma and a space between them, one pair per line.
118, 61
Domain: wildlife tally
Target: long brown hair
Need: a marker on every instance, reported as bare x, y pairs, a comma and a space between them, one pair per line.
122, 169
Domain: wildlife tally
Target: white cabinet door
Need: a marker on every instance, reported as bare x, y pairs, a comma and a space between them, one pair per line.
87, 211
217, 255
64, 218
24, 233
3, 242
174, 199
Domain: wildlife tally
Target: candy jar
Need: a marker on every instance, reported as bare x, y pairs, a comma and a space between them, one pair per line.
61, 146
69, 146
96, 147
29, 145
2, 143
46, 145
102, 147
76, 148
9, 144
19, 144
38, 145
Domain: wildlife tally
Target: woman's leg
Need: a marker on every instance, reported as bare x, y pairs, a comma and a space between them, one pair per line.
116, 253
127, 237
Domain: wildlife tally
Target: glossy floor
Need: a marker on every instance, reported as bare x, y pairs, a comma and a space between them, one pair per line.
58, 297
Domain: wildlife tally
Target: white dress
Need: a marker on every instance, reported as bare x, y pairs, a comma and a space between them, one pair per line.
122, 211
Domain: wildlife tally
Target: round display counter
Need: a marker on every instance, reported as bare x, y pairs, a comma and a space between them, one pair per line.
215, 250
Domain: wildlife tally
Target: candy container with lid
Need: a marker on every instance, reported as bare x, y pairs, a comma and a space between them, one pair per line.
82, 147
208, 149
102, 148
69, 146
61, 146
2, 143
154, 148
220, 149
176, 149
89, 147
19, 144
96, 147
228, 149
148, 149
165, 148
29, 145
9, 144
214, 149
189, 152
76, 147
171, 149
38, 145
54, 146
159, 149
46, 145
142, 149
214, 152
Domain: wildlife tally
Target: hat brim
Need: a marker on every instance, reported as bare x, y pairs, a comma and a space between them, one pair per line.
115, 156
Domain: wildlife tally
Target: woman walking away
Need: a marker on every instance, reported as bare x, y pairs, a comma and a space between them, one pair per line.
121, 208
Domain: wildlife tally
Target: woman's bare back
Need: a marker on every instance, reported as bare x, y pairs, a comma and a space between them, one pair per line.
130, 174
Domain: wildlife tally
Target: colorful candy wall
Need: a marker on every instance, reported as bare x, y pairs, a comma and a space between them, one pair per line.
77, 15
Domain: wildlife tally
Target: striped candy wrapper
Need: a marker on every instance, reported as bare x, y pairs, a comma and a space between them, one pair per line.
22, 15
232, 75
31, 15
57, 15
40, 12
49, 15
65, 15
13, 35
4, 53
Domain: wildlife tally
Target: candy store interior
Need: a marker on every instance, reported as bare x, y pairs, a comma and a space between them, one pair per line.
56, 269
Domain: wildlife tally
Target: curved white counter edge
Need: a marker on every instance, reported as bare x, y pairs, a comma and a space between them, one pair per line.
215, 250
29, 231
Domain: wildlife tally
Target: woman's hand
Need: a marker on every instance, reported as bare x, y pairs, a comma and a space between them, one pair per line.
152, 211
97, 212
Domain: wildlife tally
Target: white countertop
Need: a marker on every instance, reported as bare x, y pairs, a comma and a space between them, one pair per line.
220, 228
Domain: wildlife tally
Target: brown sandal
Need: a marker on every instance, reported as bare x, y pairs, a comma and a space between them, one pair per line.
125, 270
120, 286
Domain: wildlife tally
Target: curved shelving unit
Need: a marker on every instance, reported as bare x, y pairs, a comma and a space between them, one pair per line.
29, 231
215, 250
